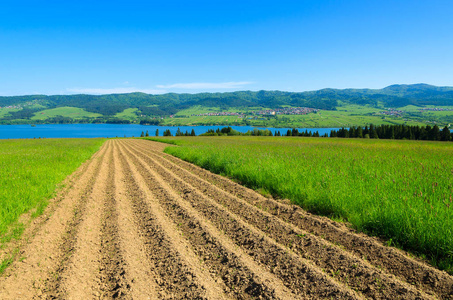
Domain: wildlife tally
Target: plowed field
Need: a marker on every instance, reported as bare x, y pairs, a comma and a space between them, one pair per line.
135, 223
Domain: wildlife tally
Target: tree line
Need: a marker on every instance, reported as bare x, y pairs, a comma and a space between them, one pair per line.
398, 132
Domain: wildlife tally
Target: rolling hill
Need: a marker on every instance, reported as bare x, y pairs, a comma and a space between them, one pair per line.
153, 109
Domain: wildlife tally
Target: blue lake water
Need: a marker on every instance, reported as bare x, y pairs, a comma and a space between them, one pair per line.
114, 130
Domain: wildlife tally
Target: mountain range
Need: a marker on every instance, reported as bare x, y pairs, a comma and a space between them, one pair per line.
163, 105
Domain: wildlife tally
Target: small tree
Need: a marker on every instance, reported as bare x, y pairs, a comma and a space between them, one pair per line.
445, 134
352, 132
157, 132
359, 132
143, 134
373, 132
435, 133
192, 133
147, 134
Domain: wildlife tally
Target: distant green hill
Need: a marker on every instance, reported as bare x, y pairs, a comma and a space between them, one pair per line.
147, 108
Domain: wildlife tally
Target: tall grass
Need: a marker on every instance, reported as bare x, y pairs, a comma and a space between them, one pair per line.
30, 171
399, 190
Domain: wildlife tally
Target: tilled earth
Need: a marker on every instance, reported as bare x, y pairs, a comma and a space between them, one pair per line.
136, 223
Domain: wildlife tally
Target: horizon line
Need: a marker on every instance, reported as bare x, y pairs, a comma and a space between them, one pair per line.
248, 90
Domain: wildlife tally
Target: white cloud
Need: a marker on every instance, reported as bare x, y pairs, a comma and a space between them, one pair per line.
121, 90
205, 85
161, 89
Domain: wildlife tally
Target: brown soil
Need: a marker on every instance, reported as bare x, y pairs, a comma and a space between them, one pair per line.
136, 223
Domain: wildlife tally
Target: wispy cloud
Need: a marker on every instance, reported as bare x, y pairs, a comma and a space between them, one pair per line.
205, 85
120, 90
161, 89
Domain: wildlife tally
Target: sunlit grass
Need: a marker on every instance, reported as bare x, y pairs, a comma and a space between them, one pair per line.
30, 171
128, 114
71, 112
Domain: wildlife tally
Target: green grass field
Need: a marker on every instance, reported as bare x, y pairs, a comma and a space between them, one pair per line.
128, 114
72, 112
344, 116
412, 108
399, 190
30, 172
202, 120
336, 119
5, 111
204, 109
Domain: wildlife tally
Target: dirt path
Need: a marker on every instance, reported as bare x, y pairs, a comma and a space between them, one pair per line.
136, 223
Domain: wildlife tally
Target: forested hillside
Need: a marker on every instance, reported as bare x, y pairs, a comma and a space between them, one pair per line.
146, 106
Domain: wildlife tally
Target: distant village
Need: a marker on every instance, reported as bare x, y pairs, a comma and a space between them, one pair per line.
392, 112
268, 112
22, 105
436, 109
399, 113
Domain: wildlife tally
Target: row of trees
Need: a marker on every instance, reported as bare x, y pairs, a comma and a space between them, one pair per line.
225, 131
167, 132
180, 133
373, 132
306, 133
398, 132
228, 131
259, 132
145, 134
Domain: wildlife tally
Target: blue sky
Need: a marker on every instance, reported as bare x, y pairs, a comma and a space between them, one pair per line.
62, 47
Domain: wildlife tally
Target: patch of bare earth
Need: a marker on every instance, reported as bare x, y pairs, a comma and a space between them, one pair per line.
136, 223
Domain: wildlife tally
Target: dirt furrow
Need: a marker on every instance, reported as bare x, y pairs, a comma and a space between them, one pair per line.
344, 267
44, 253
180, 274
281, 262
390, 260
80, 277
243, 278
131, 243
112, 277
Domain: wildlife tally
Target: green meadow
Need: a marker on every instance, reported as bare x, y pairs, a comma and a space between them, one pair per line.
5, 111
202, 120
128, 114
343, 116
72, 112
399, 190
30, 173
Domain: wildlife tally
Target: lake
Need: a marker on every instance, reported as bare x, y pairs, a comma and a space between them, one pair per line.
114, 130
